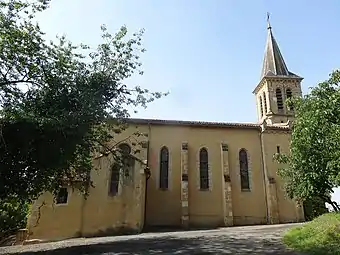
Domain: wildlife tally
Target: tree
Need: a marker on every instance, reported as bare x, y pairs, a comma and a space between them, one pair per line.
314, 207
59, 102
312, 169
13, 215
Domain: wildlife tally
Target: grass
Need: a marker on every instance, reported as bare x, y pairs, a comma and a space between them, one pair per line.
320, 236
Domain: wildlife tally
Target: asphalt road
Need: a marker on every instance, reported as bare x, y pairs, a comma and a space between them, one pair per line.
235, 240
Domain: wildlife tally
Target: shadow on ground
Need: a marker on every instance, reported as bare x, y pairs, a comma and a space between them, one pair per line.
202, 245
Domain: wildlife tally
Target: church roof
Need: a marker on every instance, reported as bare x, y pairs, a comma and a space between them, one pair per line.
273, 61
202, 124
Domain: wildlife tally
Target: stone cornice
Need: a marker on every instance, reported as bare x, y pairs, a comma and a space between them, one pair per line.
277, 78
275, 129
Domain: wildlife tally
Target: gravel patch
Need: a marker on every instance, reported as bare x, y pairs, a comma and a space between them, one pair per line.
234, 240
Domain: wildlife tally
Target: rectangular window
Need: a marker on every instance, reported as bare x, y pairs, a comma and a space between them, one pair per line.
278, 149
62, 196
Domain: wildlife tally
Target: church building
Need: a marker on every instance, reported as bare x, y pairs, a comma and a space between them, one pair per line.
186, 174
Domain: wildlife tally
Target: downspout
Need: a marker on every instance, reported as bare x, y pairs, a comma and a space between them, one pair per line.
264, 175
147, 176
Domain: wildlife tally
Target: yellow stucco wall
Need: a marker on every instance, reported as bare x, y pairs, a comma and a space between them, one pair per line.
101, 214
287, 210
205, 207
53, 221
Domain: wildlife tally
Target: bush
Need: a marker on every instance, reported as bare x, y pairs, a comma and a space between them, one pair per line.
314, 208
318, 237
13, 215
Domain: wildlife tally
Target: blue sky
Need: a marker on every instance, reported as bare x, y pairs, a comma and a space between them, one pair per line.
208, 54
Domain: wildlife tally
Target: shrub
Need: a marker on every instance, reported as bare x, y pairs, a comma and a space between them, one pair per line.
13, 215
318, 237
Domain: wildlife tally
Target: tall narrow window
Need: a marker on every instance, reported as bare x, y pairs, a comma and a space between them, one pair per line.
204, 169
279, 99
114, 180
278, 149
265, 103
164, 168
126, 166
261, 106
289, 95
244, 171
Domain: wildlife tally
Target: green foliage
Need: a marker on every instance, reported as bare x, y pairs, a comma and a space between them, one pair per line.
314, 207
56, 99
318, 237
313, 168
13, 215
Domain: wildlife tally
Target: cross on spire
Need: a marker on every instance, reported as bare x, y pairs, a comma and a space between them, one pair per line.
268, 21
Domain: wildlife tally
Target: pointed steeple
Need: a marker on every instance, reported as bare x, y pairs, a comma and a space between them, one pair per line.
273, 62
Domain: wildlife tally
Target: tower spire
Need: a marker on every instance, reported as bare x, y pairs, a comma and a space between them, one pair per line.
273, 62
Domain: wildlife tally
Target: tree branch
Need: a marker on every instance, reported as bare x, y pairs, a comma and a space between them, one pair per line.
18, 82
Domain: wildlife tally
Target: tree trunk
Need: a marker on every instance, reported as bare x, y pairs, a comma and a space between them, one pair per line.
338, 206
335, 206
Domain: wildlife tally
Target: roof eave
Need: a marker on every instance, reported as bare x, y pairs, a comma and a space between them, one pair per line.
138, 121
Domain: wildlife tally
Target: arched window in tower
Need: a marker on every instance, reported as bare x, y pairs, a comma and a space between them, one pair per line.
288, 96
279, 100
244, 171
204, 169
265, 102
261, 106
164, 168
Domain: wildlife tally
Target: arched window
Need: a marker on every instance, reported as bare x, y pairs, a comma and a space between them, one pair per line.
164, 168
244, 171
126, 164
265, 102
114, 180
125, 148
204, 169
289, 95
261, 106
279, 99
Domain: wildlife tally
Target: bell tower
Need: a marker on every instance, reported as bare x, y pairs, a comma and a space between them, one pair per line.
277, 84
